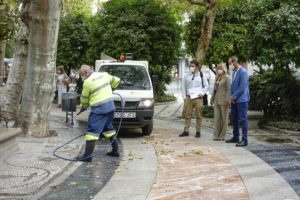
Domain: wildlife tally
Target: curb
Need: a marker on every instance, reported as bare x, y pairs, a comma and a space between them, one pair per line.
272, 128
165, 103
135, 175
8, 137
8, 133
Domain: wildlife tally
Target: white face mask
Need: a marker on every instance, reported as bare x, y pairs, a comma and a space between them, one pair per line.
192, 69
83, 78
220, 71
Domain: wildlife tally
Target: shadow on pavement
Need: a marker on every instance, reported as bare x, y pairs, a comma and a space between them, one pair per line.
130, 133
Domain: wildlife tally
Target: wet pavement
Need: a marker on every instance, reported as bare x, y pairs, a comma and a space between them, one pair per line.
285, 160
32, 172
88, 179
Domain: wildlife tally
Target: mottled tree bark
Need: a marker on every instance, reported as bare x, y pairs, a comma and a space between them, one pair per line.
2, 55
206, 28
43, 23
14, 85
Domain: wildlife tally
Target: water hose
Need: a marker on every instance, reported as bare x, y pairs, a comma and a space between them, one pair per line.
92, 155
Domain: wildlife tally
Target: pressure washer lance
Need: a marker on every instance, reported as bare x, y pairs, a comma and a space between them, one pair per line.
93, 155
79, 113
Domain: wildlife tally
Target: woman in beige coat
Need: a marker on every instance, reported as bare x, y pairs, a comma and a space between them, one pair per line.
220, 96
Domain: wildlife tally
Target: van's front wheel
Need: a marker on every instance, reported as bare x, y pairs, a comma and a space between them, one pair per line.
147, 130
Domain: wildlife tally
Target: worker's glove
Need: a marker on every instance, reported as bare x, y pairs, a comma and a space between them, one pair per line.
82, 109
120, 86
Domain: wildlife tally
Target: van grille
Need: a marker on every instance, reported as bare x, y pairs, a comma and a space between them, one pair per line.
128, 105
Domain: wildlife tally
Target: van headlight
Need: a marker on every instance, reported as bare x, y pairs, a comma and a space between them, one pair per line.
146, 103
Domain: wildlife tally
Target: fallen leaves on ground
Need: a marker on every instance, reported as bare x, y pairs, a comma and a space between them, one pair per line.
165, 152
192, 153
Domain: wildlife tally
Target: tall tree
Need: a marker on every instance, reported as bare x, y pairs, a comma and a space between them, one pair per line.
43, 22
73, 41
73, 33
179, 8
2, 55
142, 27
229, 32
15, 83
7, 26
207, 26
273, 33
77, 7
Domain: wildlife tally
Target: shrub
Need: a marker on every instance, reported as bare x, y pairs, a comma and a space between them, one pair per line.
285, 125
165, 98
277, 93
208, 111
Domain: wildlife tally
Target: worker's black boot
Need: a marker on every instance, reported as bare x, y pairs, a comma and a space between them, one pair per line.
114, 144
89, 148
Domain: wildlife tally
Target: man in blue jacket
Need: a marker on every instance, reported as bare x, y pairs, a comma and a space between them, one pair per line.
239, 102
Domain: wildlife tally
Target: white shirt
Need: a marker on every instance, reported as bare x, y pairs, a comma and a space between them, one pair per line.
235, 72
193, 81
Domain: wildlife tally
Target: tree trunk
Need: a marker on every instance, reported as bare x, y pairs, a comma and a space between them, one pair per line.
2, 55
14, 85
43, 23
206, 30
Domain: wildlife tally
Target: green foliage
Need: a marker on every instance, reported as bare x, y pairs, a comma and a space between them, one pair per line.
8, 18
274, 33
276, 93
73, 37
208, 111
193, 31
229, 32
142, 27
165, 98
274, 40
178, 7
294, 126
77, 7
9, 50
72, 41
164, 77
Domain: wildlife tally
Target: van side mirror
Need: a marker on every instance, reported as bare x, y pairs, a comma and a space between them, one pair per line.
154, 79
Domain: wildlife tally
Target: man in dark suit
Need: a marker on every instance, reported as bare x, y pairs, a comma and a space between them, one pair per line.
239, 98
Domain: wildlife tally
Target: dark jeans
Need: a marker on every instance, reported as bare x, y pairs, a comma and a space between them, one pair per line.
239, 116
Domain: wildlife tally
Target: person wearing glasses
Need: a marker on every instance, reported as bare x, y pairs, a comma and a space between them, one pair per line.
239, 98
194, 87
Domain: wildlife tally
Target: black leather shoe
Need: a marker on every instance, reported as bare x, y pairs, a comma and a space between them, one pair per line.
232, 140
242, 143
184, 134
113, 154
198, 134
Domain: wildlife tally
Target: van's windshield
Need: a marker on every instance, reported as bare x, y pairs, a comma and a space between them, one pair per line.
133, 77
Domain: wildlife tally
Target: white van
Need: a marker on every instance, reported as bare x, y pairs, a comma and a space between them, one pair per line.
136, 90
